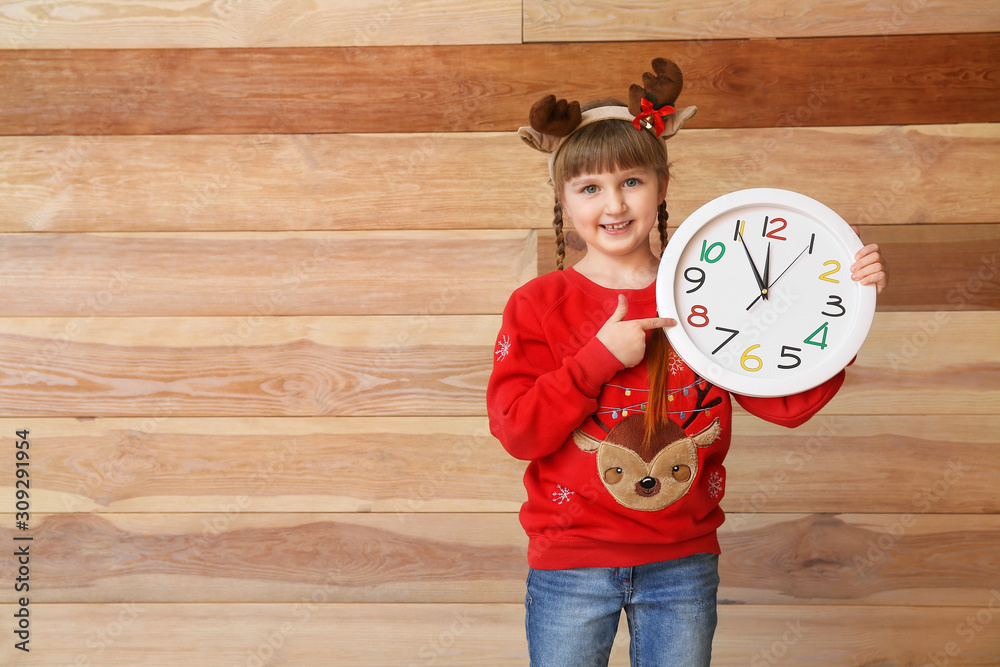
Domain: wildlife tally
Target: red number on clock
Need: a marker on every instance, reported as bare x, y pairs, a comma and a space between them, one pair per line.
701, 312
773, 234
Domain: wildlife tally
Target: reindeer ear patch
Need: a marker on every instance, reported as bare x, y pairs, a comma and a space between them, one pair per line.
554, 116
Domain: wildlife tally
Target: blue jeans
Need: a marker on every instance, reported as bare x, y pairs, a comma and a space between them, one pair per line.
572, 615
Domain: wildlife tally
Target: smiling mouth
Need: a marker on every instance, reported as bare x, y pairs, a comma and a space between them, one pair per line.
617, 227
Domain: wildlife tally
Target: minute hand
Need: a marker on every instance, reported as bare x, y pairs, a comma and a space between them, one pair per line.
779, 275
756, 274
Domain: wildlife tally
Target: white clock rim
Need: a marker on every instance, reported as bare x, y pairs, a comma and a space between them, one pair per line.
690, 353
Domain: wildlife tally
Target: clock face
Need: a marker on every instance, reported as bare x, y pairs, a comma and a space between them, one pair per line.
759, 282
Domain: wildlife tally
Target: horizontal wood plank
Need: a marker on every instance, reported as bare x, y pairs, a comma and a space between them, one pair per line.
242, 556
251, 366
908, 465
932, 267
269, 183
357, 464
906, 353
885, 636
306, 633
120, 24
757, 83
939, 267
870, 175
929, 363
574, 21
264, 274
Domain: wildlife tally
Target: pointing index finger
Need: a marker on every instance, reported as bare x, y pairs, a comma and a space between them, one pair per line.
656, 323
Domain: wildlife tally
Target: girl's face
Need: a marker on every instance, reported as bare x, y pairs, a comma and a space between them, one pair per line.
615, 211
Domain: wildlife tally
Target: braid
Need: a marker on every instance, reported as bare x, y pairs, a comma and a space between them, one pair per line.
661, 226
557, 225
658, 355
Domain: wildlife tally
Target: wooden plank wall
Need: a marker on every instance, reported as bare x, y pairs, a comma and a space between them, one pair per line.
253, 256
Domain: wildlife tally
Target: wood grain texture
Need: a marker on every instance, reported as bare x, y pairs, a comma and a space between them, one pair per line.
357, 464
759, 83
596, 20
119, 24
242, 556
876, 636
269, 183
306, 633
870, 175
906, 353
833, 463
251, 366
264, 274
942, 267
930, 363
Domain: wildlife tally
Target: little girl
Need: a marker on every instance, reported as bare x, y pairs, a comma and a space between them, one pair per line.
584, 385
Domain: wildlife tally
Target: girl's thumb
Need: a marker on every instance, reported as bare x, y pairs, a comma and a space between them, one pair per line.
620, 311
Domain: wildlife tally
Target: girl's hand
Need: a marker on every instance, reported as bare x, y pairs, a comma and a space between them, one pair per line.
627, 339
870, 266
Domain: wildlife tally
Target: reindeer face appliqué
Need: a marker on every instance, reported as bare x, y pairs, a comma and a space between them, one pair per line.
652, 475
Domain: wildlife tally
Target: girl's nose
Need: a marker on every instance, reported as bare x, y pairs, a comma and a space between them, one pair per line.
615, 202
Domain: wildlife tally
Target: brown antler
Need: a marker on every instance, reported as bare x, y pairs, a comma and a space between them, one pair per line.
554, 117
661, 88
701, 393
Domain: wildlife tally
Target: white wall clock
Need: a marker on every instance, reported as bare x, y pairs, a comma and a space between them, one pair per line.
759, 282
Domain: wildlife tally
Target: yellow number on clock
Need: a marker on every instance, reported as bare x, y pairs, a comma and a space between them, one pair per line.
831, 271
747, 355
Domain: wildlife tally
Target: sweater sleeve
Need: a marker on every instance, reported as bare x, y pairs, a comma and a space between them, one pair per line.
794, 410
535, 397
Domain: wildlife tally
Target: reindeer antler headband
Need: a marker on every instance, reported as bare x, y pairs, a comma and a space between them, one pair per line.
650, 107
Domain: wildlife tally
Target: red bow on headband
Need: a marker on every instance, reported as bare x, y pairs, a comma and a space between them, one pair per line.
657, 115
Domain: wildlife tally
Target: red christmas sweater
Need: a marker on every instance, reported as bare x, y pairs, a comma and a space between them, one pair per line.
598, 496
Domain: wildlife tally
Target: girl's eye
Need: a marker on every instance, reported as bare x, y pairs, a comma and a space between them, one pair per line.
590, 189
631, 182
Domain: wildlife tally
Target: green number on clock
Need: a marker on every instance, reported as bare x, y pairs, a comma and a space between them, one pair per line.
822, 342
706, 252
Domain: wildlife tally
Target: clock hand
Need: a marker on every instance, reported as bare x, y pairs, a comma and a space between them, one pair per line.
779, 275
789, 266
767, 268
756, 274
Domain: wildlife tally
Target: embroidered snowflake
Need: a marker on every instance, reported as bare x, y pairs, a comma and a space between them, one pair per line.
561, 494
675, 365
715, 484
503, 348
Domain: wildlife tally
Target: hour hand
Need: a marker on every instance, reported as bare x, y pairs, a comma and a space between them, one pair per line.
767, 272
761, 285
771, 284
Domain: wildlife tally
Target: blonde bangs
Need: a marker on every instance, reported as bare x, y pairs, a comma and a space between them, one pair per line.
605, 146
